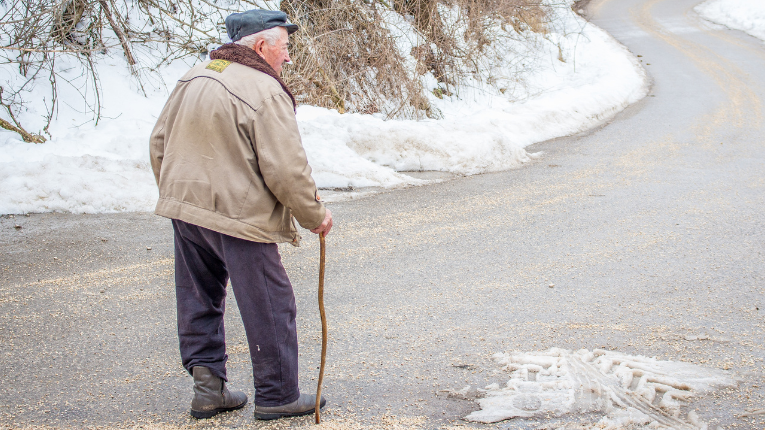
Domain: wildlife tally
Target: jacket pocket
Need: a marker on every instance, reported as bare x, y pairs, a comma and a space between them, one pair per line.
244, 201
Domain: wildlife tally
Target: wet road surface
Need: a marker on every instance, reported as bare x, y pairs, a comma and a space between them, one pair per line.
650, 231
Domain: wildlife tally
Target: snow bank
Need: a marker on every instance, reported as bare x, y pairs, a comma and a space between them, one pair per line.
572, 81
632, 392
744, 15
85, 167
480, 132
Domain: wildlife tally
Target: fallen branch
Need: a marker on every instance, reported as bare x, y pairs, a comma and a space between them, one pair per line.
28, 137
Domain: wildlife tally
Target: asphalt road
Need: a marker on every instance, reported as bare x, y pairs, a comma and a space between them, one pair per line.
650, 230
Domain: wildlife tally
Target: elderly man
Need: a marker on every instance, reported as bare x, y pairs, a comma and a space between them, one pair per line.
232, 173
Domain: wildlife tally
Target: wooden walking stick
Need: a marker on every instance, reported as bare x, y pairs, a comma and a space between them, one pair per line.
322, 253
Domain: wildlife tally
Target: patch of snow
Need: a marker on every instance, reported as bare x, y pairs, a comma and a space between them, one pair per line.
744, 15
573, 78
86, 167
631, 391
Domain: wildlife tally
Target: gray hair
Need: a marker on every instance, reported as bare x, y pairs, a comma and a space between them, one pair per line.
271, 36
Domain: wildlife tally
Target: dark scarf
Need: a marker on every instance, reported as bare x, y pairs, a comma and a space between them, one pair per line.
248, 57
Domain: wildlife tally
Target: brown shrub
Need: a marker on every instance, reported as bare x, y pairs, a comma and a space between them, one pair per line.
344, 57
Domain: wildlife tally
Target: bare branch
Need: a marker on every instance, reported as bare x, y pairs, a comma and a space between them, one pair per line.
60, 51
118, 32
28, 137
25, 135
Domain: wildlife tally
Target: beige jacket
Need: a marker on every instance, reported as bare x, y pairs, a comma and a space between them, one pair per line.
227, 156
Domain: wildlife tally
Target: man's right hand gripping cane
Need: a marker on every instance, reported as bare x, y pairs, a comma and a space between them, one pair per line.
325, 226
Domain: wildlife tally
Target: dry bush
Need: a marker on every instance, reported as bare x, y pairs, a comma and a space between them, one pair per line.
35, 33
345, 56
459, 43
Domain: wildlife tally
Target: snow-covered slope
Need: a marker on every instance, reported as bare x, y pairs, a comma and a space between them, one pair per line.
574, 77
744, 15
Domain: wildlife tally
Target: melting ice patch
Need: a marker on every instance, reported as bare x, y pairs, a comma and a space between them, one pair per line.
632, 391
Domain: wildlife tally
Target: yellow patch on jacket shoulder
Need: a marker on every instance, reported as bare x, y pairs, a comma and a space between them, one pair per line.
218, 65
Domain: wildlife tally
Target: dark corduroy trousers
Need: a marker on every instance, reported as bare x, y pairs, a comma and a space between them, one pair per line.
204, 262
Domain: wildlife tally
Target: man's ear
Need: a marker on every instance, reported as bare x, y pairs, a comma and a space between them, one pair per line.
258, 48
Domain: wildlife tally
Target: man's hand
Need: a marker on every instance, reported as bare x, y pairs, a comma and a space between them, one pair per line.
325, 226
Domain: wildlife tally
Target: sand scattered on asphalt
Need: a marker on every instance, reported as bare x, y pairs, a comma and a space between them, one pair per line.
386, 422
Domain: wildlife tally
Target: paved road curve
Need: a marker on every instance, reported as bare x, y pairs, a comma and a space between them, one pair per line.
650, 230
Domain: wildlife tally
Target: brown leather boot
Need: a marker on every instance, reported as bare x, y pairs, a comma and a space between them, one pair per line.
211, 396
304, 405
